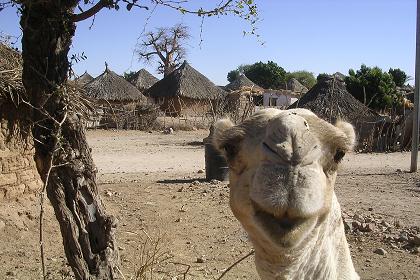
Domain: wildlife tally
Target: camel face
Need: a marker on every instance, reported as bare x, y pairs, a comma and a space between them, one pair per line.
283, 166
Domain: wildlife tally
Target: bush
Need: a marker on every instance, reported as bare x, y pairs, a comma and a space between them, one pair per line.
373, 87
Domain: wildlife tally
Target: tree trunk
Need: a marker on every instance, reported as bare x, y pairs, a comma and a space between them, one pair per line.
88, 232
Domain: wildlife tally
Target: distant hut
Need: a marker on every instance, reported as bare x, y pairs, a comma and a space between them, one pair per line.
143, 80
84, 79
330, 100
243, 97
295, 86
185, 92
118, 101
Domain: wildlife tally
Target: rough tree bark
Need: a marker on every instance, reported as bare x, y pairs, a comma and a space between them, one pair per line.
88, 232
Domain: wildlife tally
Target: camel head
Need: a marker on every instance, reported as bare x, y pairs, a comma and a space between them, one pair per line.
283, 165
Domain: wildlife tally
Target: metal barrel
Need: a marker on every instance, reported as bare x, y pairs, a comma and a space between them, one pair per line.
216, 165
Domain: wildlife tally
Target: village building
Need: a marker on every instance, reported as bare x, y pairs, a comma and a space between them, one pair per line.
117, 102
84, 79
330, 100
143, 80
280, 98
186, 91
18, 173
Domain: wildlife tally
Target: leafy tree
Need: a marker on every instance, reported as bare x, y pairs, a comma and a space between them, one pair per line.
128, 76
167, 45
373, 87
321, 77
233, 75
62, 153
399, 76
266, 75
306, 78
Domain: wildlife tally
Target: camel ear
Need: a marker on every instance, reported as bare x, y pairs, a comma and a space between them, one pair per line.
348, 130
346, 141
227, 138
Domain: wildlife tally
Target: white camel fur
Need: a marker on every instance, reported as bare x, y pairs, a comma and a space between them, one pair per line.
283, 166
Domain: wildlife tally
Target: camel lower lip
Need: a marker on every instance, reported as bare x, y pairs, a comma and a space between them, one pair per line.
276, 225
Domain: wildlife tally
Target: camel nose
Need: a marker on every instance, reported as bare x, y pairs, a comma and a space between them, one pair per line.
288, 139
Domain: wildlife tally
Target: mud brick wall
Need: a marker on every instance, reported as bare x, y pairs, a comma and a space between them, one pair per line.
18, 174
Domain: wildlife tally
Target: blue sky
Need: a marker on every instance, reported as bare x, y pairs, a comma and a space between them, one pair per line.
321, 36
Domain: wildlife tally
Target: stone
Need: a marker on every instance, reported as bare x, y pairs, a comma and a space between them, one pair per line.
356, 225
201, 259
201, 171
15, 191
348, 226
8, 179
415, 240
380, 251
2, 225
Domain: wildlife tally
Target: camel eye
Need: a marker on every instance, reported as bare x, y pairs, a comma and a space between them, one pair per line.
339, 154
230, 151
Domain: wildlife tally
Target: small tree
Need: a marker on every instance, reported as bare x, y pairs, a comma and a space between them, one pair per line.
233, 75
167, 45
373, 87
128, 76
399, 76
306, 78
266, 75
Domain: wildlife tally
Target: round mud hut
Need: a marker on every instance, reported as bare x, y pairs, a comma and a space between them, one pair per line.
186, 91
119, 104
18, 173
330, 100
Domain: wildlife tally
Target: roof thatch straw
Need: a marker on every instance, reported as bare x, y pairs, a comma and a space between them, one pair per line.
143, 80
11, 66
186, 82
110, 86
330, 100
242, 83
295, 86
84, 79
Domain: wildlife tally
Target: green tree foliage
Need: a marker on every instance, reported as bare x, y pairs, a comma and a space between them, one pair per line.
129, 75
233, 75
399, 76
373, 87
306, 78
266, 75
321, 77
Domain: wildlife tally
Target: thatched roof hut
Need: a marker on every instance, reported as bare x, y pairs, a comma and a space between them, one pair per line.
186, 82
143, 80
330, 100
295, 86
242, 83
84, 79
110, 86
11, 66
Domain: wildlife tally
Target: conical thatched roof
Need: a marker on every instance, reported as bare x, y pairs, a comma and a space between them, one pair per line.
110, 86
186, 82
84, 79
143, 80
330, 100
242, 83
295, 86
11, 66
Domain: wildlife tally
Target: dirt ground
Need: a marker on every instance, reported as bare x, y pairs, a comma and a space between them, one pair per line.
154, 184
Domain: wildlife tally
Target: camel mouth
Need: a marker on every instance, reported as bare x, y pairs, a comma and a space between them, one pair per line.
276, 225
